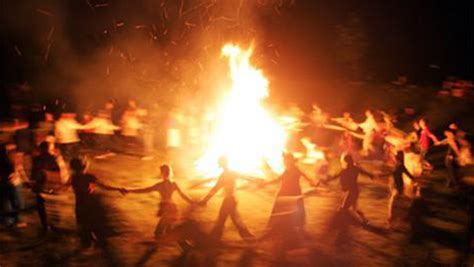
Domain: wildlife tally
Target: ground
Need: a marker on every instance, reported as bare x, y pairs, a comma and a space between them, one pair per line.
438, 236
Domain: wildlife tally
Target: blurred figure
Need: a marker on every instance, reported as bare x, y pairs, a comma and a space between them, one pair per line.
87, 135
451, 159
104, 131
465, 155
44, 165
396, 184
425, 136
66, 135
369, 127
229, 204
45, 128
131, 127
346, 121
12, 177
348, 179
168, 210
90, 215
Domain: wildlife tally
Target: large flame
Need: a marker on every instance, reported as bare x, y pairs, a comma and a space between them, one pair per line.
245, 132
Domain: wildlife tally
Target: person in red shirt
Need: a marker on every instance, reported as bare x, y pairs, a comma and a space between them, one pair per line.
425, 136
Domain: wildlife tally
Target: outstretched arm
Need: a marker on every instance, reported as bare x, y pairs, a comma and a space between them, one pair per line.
330, 178
144, 190
371, 176
309, 180
212, 192
183, 195
107, 187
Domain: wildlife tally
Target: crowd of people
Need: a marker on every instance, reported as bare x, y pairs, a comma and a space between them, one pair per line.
51, 160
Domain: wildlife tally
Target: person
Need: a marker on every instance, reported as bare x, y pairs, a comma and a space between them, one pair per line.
168, 211
425, 137
346, 121
90, 216
396, 184
348, 180
44, 128
369, 127
451, 159
12, 177
45, 164
66, 135
289, 187
131, 126
104, 131
228, 208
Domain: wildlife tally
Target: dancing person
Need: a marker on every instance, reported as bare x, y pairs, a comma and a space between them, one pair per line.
348, 180
104, 131
90, 215
289, 188
396, 184
168, 210
451, 159
369, 127
66, 135
44, 128
228, 208
43, 165
11, 178
425, 137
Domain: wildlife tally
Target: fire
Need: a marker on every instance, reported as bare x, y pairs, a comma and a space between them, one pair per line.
245, 132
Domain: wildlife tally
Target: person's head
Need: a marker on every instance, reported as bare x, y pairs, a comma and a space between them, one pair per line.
109, 105
44, 147
165, 172
79, 165
348, 160
223, 163
48, 116
453, 126
346, 115
368, 113
416, 125
449, 134
132, 104
422, 123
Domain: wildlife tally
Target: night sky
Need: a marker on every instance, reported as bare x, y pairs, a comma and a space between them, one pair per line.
297, 43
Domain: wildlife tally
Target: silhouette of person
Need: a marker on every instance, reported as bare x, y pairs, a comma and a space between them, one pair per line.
228, 208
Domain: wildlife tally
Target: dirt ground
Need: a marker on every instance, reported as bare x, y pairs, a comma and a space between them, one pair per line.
437, 234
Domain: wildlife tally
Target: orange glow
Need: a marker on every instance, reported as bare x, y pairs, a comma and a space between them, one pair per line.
245, 132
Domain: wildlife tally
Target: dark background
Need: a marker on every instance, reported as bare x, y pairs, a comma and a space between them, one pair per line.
168, 50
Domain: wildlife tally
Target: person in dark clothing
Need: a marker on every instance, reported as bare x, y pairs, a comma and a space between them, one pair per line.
90, 215
451, 159
6, 170
289, 188
43, 165
396, 184
168, 211
228, 208
348, 179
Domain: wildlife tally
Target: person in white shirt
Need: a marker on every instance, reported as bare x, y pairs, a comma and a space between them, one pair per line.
104, 131
369, 127
66, 135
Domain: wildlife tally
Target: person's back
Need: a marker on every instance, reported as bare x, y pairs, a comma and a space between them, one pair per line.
348, 178
82, 184
290, 182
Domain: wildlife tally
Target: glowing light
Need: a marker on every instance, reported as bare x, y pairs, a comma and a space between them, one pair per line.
245, 132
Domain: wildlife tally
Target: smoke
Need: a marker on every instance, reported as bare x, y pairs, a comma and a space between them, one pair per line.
156, 51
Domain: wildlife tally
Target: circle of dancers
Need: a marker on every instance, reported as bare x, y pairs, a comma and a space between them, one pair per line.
50, 161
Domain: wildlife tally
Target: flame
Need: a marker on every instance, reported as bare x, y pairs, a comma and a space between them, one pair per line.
245, 132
